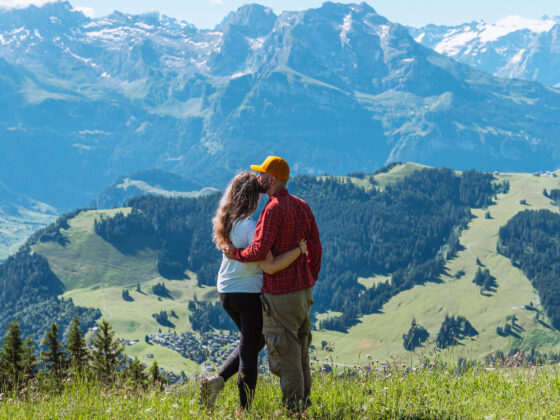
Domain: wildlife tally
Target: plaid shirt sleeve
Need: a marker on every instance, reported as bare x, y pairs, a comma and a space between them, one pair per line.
265, 234
315, 251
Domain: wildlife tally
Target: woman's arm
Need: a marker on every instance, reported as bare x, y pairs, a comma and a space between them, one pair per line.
272, 265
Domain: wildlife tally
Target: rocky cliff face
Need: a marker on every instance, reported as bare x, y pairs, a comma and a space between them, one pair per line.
333, 89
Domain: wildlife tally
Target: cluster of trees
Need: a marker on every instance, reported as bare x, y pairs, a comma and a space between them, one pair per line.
163, 319
28, 293
179, 227
554, 195
386, 168
206, 316
531, 240
510, 328
415, 336
454, 329
485, 280
126, 295
52, 233
103, 360
477, 189
159, 289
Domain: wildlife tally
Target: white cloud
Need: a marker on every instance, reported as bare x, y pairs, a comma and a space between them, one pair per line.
214, 2
87, 11
19, 4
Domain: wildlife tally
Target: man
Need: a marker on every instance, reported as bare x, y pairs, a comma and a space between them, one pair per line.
287, 295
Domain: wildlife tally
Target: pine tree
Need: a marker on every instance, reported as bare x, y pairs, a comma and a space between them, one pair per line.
135, 372
29, 360
415, 336
79, 354
107, 355
155, 374
54, 357
11, 355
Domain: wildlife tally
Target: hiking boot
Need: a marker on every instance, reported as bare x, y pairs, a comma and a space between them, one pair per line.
210, 387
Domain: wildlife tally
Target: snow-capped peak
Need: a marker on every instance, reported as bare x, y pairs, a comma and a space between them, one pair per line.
457, 39
512, 24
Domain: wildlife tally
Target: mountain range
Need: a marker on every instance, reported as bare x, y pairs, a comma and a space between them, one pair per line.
334, 89
513, 47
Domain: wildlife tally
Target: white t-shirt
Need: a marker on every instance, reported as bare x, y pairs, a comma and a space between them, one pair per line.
234, 276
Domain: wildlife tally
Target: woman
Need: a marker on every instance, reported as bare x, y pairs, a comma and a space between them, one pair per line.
239, 287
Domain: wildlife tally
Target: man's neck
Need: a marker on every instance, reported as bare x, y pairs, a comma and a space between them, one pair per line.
274, 190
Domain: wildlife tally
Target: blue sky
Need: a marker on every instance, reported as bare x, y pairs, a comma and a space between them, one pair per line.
207, 13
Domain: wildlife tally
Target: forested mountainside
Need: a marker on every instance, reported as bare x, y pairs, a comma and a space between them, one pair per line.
531, 240
407, 230
333, 89
29, 294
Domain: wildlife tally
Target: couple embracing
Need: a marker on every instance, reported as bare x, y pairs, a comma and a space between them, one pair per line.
265, 281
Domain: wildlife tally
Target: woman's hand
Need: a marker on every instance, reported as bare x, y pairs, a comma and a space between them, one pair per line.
303, 246
228, 250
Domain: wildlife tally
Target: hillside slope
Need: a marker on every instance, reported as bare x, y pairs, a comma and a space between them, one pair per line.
94, 273
380, 335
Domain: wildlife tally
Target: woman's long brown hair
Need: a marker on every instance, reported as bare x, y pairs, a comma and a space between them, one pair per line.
240, 200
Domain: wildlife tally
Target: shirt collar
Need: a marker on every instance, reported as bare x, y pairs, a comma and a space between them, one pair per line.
281, 193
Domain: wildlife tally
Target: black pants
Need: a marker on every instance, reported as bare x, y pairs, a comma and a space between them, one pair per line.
245, 309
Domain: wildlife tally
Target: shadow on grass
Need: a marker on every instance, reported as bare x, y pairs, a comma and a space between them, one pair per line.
544, 324
133, 244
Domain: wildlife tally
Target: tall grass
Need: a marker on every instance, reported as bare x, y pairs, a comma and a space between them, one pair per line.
375, 391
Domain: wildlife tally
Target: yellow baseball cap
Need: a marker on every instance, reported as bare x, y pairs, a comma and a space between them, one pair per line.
274, 165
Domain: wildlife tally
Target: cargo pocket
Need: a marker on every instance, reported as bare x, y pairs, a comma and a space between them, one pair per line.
278, 346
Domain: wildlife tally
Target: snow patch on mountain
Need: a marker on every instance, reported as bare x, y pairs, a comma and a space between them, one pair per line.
455, 42
345, 28
517, 57
256, 43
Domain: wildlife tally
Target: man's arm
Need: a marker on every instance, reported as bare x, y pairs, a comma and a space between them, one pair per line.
315, 250
265, 233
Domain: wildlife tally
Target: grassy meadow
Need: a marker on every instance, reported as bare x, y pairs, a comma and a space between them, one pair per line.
426, 391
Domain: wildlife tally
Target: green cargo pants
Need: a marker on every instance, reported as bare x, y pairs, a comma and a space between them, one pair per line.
287, 331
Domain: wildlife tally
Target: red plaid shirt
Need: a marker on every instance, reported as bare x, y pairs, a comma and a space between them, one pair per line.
284, 222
